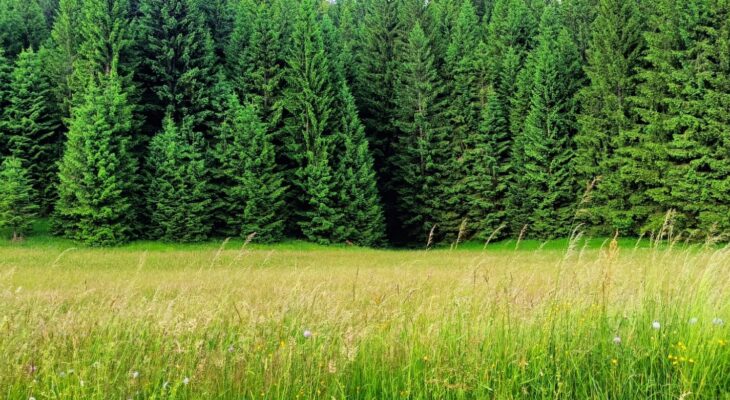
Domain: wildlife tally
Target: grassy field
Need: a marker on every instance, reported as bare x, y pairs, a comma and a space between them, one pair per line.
296, 321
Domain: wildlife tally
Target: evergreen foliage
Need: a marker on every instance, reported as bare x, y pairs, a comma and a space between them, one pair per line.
421, 149
252, 199
97, 174
17, 198
31, 125
179, 197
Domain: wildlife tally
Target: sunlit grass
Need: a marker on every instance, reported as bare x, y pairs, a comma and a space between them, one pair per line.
285, 322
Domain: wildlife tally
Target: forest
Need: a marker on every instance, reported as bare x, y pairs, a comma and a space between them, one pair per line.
371, 122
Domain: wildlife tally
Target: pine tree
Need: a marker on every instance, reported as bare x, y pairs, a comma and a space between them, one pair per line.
32, 126
614, 57
309, 141
421, 150
65, 42
545, 179
179, 73
17, 206
22, 25
97, 171
374, 92
359, 199
253, 196
6, 70
180, 199
467, 76
219, 18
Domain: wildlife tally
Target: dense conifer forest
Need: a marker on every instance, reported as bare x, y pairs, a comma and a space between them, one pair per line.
370, 122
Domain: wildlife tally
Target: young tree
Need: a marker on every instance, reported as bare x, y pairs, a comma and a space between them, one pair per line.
253, 194
179, 201
545, 179
97, 171
421, 151
32, 126
17, 206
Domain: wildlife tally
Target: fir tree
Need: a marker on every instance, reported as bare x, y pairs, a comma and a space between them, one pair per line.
22, 25
614, 57
309, 142
253, 196
32, 127
17, 206
467, 77
179, 73
179, 201
65, 42
374, 92
359, 199
97, 171
421, 150
545, 178
5, 79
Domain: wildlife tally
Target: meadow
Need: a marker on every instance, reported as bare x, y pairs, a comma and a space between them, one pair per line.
569, 320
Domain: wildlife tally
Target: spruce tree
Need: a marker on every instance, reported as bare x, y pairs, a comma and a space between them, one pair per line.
545, 178
359, 199
466, 73
374, 92
6, 70
97, 171
179, 74
22, 25
65, 42
179, 201
421, 150
17, 198
32, 126
252, 198
614, 57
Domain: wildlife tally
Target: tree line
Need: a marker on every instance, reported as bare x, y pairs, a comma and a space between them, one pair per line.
364, 121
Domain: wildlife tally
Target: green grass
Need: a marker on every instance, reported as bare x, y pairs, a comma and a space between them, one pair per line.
136, 321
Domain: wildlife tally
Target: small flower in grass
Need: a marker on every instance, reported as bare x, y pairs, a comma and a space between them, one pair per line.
135, 374
186, 380
62, 374
307, 334
718, 322
32, 369
656, 325
614, 361
230, 349
617, 340
693, 320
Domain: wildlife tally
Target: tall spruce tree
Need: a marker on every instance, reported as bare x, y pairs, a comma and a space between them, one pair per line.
467, 75
364, 222
22, 25
374, 92
179, 74
309, 137
545, 178
614, 57
252, 197
421, 150
180, 199
97, 170
64, 48
5, 79
32, 126
17, 198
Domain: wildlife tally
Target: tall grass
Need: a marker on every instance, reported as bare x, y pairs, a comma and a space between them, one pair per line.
230, 322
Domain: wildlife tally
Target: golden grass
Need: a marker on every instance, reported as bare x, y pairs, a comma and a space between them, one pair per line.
123, 323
